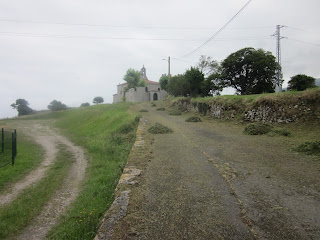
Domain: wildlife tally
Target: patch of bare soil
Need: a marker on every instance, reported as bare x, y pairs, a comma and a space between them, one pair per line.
48, 139
208, 180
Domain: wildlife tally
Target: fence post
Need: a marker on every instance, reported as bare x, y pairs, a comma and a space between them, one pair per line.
16, 142
2, 140
13, 147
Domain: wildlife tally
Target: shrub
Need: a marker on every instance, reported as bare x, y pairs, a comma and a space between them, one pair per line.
193, 119
158, 128
257, 128
309, 148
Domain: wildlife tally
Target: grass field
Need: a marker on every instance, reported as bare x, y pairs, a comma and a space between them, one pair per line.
107, 133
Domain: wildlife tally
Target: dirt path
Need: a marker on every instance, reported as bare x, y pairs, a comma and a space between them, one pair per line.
49, 140
209, 181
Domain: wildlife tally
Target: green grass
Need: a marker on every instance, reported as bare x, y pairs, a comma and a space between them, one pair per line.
257, 128
107, 132
28, 158
310, 148
18, 214
193, 119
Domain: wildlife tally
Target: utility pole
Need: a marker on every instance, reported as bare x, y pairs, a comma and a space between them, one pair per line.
278, 87
169, 68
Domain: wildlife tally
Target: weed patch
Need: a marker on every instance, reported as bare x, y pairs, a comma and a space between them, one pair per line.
193, 119
158, 128
310, 148
257, 129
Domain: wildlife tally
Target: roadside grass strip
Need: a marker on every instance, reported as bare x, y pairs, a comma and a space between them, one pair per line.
28, 158
107, 133
15, 216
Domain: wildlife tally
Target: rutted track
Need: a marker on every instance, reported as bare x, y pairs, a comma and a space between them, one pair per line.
49, 140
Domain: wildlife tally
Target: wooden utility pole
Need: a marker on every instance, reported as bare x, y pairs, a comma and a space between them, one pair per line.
169, 68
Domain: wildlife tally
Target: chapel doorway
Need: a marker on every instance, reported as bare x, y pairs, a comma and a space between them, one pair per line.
155, 97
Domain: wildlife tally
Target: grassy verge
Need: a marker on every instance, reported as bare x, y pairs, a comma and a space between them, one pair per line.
18, 214
29, 157
107, 132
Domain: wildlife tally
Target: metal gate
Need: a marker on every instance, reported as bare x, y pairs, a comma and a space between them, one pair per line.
8, 147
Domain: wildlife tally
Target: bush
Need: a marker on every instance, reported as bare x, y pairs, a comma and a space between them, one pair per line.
309, 148
161, 109
158, 128
257, 129
193, 119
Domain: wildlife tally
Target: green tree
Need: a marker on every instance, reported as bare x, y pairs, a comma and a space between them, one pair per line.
57, 106
22, 107
195, 78
250, 71
85, 104
207, 65
301, 82
213, 85
98, 100
178, 86
163, 81
133, 79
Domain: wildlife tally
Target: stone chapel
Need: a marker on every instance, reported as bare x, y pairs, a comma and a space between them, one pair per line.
152, 92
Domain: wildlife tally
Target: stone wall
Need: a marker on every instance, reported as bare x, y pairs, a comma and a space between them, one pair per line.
267, 110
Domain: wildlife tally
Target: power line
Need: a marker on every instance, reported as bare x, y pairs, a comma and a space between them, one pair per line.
220, 30
309, 43
28, 34
122, 26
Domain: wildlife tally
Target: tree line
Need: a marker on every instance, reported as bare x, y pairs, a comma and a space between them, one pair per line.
22, 106
248, 71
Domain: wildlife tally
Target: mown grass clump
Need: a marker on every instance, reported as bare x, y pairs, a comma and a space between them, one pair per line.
193, 119
158, 128
310, 148
175, 113
143, 110
257, 129
153, 104
161, 109
280, 132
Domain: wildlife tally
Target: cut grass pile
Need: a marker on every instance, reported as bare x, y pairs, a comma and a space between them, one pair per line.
257, 129
153, 104
175, 113
310, 148
107, 133
193, 119
158, 128
143, 110
19, 213
161, 109
280, 132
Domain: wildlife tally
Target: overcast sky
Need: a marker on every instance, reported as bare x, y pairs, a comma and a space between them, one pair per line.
73, 51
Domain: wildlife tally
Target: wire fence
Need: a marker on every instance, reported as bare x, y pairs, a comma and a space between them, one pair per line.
8, 151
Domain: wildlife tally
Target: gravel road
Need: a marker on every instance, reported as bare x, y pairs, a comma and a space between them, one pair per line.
208, 180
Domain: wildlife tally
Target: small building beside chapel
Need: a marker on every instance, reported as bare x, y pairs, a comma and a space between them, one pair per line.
152, 91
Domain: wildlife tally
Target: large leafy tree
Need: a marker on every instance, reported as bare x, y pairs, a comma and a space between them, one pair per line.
133, 79
22, 107
57, 106
98, 100
301, 82
195, 78
178, 86
250, 71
